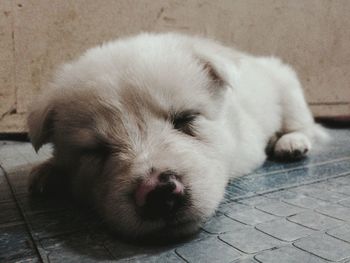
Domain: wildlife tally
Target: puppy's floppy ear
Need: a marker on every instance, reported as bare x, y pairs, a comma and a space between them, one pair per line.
219, 69
40, 123
213, 73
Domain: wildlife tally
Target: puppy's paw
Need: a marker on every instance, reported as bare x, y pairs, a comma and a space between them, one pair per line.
39, 178
292, 146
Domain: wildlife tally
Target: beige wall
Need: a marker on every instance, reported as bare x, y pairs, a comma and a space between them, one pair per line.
37, 35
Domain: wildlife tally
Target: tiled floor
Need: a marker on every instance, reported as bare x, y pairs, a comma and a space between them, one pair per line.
294, 212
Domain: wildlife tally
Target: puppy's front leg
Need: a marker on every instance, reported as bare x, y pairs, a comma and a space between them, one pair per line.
292, 146
47, 179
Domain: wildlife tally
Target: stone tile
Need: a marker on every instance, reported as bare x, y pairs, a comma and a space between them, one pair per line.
284, 230
9, 213
250, 240
15, 244
315, 221
208, 250
325, 247
256, 200
282, 195
287, 254
334, 210
251, 216
27, 260
222, 224
232, 207
345, 202
33, 205
9, 150
168, 257
341, 180
322, 194
45, 225
342, 233
305, 201
5, 191
261, 183
296, 198
125, 251
78, 247
280, 209
11, 164
32, 157
329, 185
201, 235
18, 180
11, 157
245, 260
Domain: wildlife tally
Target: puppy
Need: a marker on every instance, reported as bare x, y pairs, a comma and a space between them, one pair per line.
148, 130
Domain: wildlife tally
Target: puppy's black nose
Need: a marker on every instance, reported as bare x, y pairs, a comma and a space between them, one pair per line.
165, 199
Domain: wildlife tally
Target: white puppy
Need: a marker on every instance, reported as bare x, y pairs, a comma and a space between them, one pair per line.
149, 129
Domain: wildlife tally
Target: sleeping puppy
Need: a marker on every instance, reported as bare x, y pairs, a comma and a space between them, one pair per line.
148, 130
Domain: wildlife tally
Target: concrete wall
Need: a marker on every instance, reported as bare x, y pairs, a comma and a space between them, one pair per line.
37, 35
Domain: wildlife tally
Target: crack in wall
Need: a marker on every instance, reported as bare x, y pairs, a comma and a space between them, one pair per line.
14, 60
10, 111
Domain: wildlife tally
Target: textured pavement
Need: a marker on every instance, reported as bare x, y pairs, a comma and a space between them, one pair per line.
291, 212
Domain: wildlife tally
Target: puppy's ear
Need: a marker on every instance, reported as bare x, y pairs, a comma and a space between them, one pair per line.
40, 123
213, 73
219, 69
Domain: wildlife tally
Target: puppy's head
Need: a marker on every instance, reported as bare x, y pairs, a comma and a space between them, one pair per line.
140, 127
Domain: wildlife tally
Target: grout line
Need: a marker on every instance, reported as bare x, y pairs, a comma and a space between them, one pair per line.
180, 256
327, 260
278, 238
15, 86
326, 233
272, 190
38, 250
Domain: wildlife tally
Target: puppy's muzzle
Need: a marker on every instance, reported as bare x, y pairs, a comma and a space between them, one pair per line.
161, 195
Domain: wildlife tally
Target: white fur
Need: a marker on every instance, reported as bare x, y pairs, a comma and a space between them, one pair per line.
249, 101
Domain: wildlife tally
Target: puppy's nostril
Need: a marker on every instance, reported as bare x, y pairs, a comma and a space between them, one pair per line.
162, 202
166, 176
165, 199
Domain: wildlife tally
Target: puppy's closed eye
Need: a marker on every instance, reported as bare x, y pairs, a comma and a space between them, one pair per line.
183, 122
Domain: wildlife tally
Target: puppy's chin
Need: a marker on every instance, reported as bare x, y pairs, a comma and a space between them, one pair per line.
130, 225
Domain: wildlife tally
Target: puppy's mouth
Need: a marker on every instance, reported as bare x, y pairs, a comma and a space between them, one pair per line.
162, 196
170, 208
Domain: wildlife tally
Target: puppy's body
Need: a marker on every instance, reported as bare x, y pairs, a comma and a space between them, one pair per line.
132, 112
